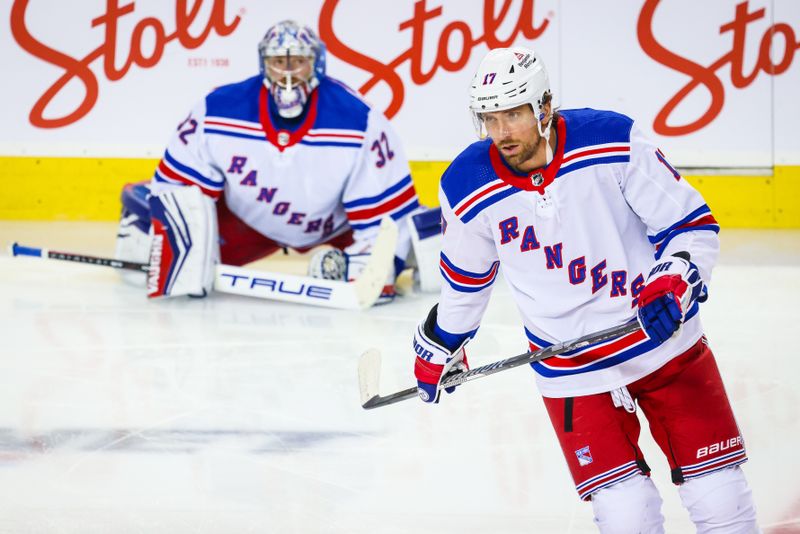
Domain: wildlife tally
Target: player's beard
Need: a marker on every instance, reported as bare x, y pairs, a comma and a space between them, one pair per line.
526, 153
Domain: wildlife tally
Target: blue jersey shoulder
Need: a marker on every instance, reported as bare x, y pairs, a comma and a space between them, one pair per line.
586, 127
470, 170
236, 101
339, 107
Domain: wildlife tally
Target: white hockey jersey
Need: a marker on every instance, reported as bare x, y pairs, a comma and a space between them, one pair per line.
575, 241
343, 166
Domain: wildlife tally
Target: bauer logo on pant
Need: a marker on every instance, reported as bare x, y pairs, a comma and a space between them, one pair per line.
584, 456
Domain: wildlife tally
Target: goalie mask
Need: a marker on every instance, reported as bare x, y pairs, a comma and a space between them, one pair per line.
507, 78
292, 61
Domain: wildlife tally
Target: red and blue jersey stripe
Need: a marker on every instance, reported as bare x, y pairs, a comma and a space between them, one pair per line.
602, 154
234, 128
597, 356
172, 171
699, 219
395, 202
333, 137
337, 137
486, 195
467, 281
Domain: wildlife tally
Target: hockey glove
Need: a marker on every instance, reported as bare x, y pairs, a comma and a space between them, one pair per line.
672, 287
434, 360
334, 264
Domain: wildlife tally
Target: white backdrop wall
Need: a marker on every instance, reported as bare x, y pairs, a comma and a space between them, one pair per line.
715, 82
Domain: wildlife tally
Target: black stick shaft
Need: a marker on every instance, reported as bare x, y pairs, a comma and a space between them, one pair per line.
21, 250
456, 378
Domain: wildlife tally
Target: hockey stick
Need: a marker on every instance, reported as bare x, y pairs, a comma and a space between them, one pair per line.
357, 295
19, 250
369, 366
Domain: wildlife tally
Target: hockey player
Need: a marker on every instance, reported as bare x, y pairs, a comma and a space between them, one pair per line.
592, 227
287, 158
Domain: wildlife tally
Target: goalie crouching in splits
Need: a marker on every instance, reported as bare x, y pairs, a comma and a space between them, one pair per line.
287, 158
592, 226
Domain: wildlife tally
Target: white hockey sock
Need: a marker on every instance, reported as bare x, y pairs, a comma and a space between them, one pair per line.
720, 503
632, 506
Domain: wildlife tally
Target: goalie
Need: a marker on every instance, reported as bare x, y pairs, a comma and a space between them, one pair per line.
287, 158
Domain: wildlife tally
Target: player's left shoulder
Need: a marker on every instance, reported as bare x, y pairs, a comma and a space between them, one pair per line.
588, 127
339, 107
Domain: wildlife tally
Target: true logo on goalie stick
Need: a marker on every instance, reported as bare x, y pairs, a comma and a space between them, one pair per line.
279, 286
584, 456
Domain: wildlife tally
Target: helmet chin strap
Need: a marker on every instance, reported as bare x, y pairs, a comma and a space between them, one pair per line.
545, 133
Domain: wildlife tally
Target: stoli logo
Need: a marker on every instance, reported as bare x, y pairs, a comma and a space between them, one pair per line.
457, 31
780, 34
79, 67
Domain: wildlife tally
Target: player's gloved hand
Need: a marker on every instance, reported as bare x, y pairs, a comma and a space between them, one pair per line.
672, 286
335, 264
434, 360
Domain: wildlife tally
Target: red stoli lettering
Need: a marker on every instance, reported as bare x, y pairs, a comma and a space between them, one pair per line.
79, 68
387, 73
706, 76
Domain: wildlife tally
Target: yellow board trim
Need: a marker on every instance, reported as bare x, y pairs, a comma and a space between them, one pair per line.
88, 189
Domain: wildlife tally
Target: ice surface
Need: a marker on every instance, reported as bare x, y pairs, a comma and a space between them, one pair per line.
231, 415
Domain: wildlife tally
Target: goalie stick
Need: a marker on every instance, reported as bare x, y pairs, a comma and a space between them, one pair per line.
369, 366
357, 295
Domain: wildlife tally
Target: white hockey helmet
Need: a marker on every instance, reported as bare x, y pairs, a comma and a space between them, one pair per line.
507, 78
284, 39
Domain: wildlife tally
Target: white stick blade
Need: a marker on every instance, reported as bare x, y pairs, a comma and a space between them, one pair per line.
369, 371
370, 282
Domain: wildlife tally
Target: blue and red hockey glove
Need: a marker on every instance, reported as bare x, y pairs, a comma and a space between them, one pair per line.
434, 360
672, 287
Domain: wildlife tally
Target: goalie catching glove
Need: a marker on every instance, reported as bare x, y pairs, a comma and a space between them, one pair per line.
335, 264
672, 287
434, 360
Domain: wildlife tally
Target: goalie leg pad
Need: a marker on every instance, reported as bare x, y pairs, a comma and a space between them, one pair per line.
185, 243
629, 507
720, 502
